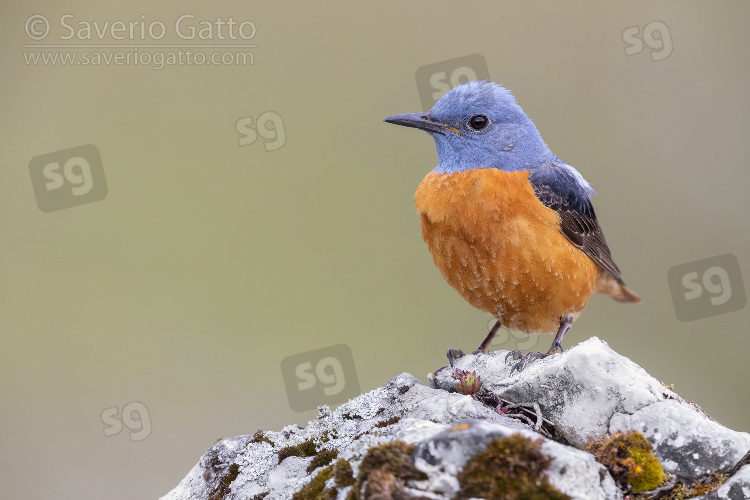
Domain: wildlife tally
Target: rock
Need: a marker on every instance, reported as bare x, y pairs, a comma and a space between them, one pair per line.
572, 471
688, 443
736, 487
590, 390
408, 440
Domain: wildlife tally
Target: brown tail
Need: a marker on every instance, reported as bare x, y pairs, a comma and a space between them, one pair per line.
627, 295
608, 285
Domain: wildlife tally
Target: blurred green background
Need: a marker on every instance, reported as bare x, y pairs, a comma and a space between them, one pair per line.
209, 262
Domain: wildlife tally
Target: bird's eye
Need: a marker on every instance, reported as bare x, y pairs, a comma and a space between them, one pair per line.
478, 122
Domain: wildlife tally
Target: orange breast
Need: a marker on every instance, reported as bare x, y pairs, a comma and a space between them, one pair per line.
502, 249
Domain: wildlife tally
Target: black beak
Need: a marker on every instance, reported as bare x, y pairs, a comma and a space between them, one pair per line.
421, 121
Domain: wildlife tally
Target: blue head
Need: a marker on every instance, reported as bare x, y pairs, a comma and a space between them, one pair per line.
479, 125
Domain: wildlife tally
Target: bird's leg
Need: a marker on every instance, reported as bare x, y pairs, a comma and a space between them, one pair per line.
454, 354
486, 342
565, 323
524, 359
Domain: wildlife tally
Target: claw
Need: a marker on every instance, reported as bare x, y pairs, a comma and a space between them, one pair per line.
514, 355
518, 366
565, 323
554, 347
524, 359
453, 355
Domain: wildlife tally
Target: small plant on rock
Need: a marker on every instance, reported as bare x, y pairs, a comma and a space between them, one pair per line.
469, 383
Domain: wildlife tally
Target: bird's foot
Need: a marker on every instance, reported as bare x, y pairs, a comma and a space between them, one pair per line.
524, 359
453, 355
553, 349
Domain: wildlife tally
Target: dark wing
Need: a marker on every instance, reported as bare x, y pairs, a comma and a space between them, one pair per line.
580, 226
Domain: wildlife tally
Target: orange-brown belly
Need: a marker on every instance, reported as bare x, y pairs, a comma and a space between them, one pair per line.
502, 249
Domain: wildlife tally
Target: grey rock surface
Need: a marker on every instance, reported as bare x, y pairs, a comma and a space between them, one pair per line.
572, 471
587, 391
736, 487
590, 390
687, 442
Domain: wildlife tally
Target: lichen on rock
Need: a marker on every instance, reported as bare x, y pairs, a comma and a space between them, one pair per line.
407, 440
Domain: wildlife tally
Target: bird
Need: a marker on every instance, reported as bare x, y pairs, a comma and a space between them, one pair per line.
510, 226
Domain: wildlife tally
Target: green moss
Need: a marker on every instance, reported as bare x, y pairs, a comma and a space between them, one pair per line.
383, 484
328, 435
512, 468
260, 436
316, 488
304, 449
384, 471
393, 457
360, 435
225, 482
649, 474
324, 457
343, 474
386, 423
630, 459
